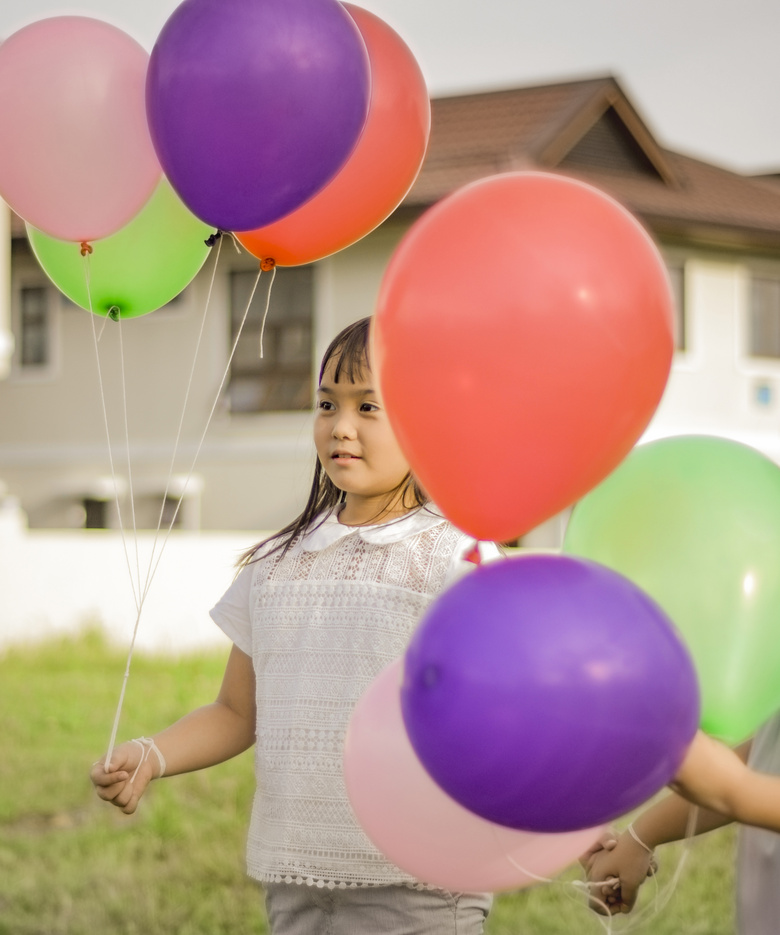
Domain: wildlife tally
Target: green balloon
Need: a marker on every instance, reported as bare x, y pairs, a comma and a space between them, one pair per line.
135, 271
695, 522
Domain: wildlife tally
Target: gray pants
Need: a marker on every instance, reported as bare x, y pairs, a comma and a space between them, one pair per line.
295, 909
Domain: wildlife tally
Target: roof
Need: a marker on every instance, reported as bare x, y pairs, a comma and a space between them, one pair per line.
589, 129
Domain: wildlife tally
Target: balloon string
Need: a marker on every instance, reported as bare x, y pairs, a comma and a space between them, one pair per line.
184, 408
208, 423
663, 895
267, 301
660, 897
153, 565
116, 316
127, 448
87, 278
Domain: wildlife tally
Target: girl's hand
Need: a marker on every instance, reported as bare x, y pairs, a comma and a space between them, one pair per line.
606, 841
620, 868
127, 779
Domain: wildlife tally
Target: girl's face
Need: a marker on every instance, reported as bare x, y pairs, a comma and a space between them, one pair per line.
357, 448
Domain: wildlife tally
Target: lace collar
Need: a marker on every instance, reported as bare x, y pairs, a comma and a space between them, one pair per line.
331, 530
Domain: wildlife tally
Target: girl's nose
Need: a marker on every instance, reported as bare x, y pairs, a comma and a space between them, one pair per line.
344, 427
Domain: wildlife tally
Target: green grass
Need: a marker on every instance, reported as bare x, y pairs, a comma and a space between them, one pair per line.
72, 865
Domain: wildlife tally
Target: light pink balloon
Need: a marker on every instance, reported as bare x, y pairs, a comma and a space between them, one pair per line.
422, 830
77, 160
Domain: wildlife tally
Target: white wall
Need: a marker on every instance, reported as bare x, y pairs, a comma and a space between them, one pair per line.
6, 334
715, 386
61, 581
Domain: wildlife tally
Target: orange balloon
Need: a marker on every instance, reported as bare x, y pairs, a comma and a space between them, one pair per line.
381, 169
522, 340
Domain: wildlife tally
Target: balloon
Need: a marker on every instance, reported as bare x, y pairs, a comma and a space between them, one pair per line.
254, 105
548, 693
381, 169
421, 829
138, 269
695, 522
523, 338
78, 162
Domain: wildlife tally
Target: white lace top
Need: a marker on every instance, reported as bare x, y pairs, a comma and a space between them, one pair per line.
320, 624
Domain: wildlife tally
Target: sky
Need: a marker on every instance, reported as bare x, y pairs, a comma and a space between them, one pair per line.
703, 74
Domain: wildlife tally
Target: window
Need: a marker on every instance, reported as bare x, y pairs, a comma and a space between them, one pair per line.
282, 378
35, 328
764, 322
171, 514
95, 513
677, 279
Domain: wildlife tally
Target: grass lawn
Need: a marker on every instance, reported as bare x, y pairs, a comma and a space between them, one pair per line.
71, 865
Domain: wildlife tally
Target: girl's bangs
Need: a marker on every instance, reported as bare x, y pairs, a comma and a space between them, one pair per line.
350, 351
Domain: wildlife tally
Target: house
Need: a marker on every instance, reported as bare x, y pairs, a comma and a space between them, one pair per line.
719, 233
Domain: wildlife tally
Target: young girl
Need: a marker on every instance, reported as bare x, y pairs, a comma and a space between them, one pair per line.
315, 613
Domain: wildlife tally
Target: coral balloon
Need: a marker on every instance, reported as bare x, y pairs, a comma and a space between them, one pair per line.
381, 169
254, 105
523, 339
78, 161
695, 522
548, 693
138, 269
420, 828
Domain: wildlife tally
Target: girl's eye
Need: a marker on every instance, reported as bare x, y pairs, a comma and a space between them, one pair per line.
324, 404
369, 407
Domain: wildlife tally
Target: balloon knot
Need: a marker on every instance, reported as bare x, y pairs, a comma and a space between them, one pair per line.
114, 313
85, 248
213, 238
267, 264
473, 555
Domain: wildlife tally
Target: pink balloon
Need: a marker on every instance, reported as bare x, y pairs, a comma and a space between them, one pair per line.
422, 830
78, 161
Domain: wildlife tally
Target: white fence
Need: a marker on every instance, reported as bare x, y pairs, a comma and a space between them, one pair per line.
54, 582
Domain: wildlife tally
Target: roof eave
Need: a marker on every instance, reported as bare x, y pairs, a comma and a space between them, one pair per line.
733, 237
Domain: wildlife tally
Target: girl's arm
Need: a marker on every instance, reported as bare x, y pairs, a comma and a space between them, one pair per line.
718, 778
711, 776
206, 736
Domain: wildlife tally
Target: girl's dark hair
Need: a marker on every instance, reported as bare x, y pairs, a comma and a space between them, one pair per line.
350, 350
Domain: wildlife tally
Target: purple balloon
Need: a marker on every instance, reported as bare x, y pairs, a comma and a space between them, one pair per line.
254, 105
548, 693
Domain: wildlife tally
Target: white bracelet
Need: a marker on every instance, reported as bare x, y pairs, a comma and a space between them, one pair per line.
638, 840
147, 744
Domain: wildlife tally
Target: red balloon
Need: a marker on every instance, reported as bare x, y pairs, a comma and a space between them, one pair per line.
523, 339
381, 169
